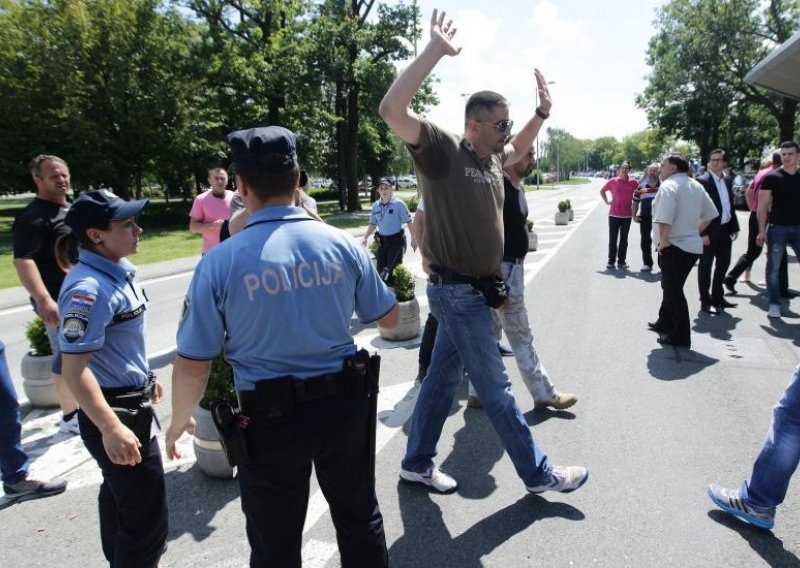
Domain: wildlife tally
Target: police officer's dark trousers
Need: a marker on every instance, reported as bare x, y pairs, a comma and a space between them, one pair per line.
330, 433
390, 254
132, 503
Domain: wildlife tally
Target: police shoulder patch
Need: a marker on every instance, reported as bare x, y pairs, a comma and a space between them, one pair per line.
73, 328
75, 319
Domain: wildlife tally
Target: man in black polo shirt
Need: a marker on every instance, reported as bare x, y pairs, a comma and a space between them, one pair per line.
36, 229
779, 200
515, 318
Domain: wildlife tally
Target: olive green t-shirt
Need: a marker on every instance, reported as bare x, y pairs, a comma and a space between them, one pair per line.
463, 203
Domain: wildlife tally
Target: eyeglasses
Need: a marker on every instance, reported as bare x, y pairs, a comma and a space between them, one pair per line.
502, 126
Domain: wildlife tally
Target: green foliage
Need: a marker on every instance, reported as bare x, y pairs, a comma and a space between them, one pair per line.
403, 284
562, 206
568, 203
373, 247
412, 203
37, 338
699, 57
323, 194
220, 383
529, 222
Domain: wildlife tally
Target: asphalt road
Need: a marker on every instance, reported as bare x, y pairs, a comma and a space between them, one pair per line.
654, 425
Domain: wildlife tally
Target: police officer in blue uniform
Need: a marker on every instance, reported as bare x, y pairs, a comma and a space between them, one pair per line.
388, 216
102, 327
279, 297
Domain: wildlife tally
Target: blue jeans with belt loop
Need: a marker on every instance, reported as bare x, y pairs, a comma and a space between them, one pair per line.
780, 454
14, 461
778, 237
465, 338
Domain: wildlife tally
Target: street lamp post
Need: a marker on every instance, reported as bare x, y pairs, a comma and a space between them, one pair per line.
538, 159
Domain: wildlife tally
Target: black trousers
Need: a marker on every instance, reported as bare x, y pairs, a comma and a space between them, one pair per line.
673, 316
390, 254
717, 255
753, 252
618, 229
646, 234
332, 434
428, 340
132, 503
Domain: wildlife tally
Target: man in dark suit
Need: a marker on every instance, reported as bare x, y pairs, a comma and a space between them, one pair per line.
718, 236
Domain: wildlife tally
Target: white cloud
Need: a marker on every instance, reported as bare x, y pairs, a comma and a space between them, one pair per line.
551, 28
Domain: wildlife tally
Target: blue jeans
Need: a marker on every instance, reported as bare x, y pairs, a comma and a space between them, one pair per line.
14, 462
465, 338
780, 454
778, 237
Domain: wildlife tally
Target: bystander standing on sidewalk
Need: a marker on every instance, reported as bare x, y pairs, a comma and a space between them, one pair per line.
619, 214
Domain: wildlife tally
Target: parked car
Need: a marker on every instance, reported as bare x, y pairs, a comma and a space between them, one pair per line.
740, 184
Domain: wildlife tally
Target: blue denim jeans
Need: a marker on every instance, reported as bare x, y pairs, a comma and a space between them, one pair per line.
465, 338
14, 462
778, 237
780, 454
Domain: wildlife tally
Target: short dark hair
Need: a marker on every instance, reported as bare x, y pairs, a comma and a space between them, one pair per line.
776, 159
271, 184
483, 101
36, 164
717, 151
679, 161
791, 144
303, 178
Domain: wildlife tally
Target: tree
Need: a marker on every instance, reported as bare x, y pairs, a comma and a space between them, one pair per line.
699, 57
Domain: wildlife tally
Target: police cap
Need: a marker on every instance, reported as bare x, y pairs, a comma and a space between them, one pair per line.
267, 149
96, 208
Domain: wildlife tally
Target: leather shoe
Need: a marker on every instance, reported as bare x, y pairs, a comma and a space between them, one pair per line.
655, 326
789, 294
724, 304
729, 284
667, 340
707, 308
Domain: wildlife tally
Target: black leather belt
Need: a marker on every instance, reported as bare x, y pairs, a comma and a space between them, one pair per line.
514, 260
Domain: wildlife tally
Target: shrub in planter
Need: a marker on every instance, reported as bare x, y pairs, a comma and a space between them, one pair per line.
562, 217
569, 209
36, 367
412, 203
563, 206
408, 324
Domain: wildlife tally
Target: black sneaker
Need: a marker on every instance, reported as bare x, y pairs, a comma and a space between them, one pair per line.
729, 284
29, 489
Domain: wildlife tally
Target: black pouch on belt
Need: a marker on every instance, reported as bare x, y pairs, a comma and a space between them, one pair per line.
139, 420
494, 289
231, 435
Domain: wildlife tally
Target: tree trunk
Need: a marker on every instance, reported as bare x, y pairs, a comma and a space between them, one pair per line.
351, 149
341, 125
787, 119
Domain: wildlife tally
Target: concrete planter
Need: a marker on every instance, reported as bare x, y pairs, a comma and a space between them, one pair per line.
407, 327
37, 380
533, 240
571, 214
562, 218
207, 449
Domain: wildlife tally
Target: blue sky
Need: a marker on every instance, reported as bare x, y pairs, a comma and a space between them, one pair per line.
594, 50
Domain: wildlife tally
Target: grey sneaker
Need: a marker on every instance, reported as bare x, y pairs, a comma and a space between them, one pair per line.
563, 479
29, 489
730, 501
434, 478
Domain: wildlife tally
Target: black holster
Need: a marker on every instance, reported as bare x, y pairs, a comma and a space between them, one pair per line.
362, 364
134, 410
494, 289
231, 435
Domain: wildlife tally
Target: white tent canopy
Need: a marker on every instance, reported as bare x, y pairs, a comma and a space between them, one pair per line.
780, 70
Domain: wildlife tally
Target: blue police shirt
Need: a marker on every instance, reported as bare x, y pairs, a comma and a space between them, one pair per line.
102, 312
280, 296
389, 217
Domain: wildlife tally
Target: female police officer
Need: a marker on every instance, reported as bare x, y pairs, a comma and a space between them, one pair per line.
102, 326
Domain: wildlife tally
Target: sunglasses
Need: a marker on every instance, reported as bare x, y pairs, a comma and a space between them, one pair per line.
502, 126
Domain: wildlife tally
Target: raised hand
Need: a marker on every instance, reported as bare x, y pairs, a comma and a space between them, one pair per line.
545, 102
442, 33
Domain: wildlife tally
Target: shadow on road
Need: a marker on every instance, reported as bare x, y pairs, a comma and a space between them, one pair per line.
194, 501
764, 543
783, 330
536, 417
677, 363
425, 529
718, 326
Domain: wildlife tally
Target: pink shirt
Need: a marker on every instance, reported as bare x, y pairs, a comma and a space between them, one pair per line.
757, 183
208, 208
621, 196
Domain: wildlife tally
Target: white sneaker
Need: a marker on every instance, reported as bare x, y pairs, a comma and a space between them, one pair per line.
434, 478
647, 268
564, 479
774, 311
69, 426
